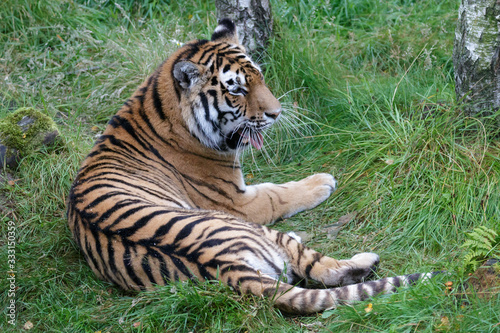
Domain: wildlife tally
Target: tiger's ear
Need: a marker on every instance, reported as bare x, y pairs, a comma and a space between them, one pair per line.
225, 32
186, 73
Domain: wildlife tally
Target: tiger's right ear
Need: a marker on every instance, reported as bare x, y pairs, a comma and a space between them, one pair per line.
186, 73
225, 32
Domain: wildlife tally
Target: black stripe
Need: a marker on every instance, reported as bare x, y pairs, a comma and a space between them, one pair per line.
88, 251
103, 197
179, 264
208, 50
413, 278
316, 258
239, 281
165, 273
159, 194
95, 233
121, 204
147, 269
165, 228
205, 274
145, 118
121, 165
313, 296
188, 228
127, 262
376, 286
127, 232
206, 107
236, 187
211, 187
111, 259
156, 97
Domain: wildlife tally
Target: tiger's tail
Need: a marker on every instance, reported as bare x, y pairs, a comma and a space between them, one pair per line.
298, 300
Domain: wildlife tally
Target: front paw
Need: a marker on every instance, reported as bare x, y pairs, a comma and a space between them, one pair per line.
321, 186
310, 192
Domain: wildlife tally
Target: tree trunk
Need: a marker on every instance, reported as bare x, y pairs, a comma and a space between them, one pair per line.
253, 21
476, 56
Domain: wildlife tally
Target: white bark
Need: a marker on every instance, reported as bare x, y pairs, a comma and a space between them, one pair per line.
253, 21
476, 55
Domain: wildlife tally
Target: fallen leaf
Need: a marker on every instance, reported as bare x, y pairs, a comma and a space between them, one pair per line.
28, 325
444, 325
136, 324
315, 325
347, 218
333, 229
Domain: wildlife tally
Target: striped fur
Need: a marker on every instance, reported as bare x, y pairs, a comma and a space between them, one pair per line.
161, 195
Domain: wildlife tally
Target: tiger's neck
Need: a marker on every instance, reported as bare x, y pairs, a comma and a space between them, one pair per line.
152, 117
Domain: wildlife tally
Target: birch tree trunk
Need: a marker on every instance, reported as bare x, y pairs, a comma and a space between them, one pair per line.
253, 21
476, 56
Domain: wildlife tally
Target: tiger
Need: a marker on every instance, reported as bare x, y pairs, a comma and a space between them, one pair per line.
161, 196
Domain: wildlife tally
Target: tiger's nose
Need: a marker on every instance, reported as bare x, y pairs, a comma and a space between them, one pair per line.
273, 114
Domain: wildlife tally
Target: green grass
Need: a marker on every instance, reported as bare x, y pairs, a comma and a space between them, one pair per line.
369, 86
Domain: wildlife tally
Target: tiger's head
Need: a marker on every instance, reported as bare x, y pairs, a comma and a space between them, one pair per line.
224, 100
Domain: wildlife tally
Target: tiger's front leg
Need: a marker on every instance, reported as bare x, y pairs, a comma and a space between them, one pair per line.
267, 202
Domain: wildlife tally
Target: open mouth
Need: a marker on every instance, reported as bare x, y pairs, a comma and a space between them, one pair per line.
245, 136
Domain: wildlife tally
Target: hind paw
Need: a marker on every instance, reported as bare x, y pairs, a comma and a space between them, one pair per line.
366, 260
364, 268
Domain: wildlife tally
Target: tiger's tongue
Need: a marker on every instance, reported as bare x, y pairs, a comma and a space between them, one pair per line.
257, 140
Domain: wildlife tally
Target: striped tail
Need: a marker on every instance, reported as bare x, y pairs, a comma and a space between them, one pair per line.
305, 301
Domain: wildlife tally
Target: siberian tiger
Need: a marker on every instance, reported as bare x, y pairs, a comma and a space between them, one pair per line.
161, 195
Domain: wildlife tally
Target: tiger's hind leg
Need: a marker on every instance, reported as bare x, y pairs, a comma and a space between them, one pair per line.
307, 263
293, 299
331, 272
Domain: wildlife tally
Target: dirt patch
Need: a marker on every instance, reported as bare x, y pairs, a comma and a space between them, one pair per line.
485, 281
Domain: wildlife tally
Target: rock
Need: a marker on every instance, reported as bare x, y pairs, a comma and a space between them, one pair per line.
23, 132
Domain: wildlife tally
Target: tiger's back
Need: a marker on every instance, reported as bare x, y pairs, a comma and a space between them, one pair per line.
161, 195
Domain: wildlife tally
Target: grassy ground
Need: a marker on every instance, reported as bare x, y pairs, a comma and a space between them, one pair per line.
370, 84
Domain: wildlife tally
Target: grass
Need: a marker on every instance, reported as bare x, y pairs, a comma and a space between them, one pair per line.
370, 86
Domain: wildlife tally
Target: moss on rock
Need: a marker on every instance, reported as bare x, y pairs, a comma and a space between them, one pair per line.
24, 131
